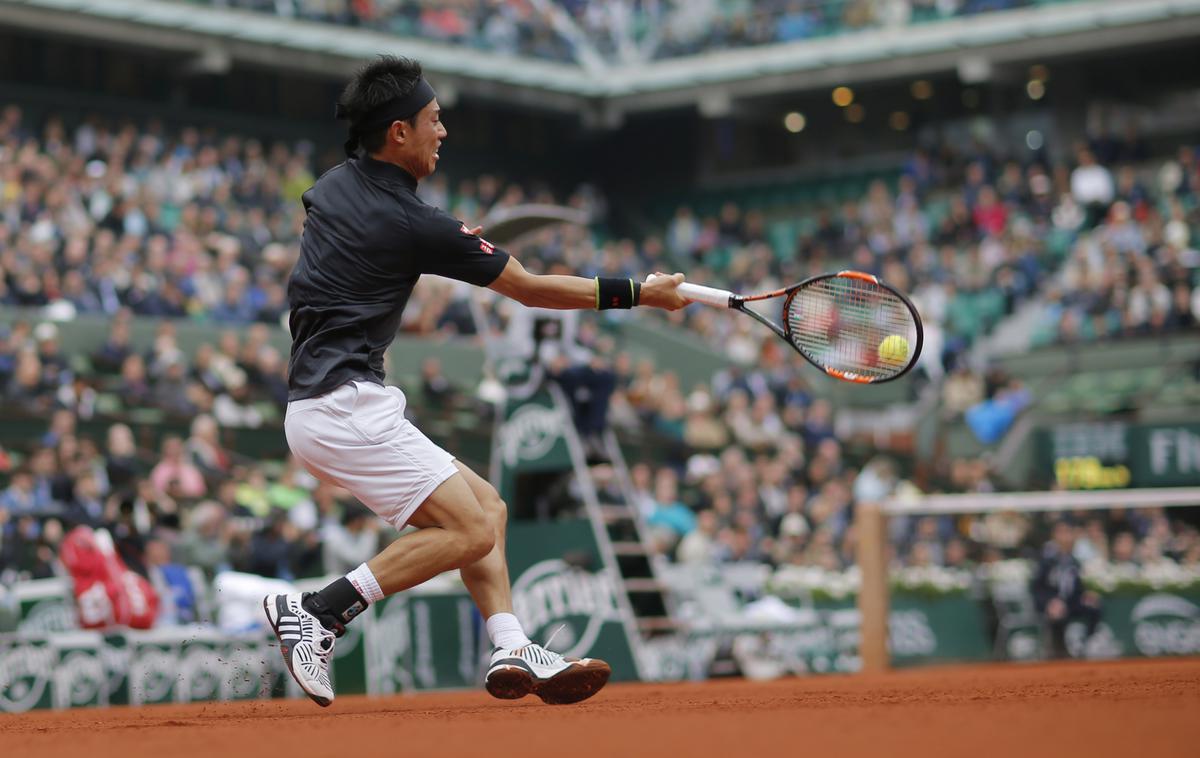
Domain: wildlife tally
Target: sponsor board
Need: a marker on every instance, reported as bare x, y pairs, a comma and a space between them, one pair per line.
425, 641
564, 595
529, 441
552, 597
1116, 455
433, 639
417, 640
815, 641
80, 677
192, 664
531, 436
1167, 455
26, 672
1165, 624
188, 664
45, 606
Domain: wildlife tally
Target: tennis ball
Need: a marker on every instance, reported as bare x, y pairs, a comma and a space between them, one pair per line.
894, 349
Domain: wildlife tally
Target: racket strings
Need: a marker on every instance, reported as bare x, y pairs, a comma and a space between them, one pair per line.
841, 322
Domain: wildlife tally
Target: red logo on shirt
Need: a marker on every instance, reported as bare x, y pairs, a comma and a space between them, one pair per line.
484, 245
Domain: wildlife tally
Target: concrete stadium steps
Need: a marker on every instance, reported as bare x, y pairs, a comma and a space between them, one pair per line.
1116, 376
1102, 392
1111, 354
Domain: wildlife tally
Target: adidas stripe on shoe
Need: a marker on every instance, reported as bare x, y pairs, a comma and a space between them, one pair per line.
306, 645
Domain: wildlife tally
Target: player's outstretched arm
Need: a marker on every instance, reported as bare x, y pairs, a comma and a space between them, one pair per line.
576, 292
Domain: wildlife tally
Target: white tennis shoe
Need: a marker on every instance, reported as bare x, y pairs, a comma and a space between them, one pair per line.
306, 645
517, 672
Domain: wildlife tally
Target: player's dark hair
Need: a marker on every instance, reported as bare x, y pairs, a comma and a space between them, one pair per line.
384, 79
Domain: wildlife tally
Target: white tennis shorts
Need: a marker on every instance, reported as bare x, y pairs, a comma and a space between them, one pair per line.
356, 437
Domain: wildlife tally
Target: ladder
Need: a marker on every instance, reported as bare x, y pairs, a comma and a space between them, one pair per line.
652, 602
642, 596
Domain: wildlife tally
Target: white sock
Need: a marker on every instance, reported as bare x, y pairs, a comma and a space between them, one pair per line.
364, 581
506, 632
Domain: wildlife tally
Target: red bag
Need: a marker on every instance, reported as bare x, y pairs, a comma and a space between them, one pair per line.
106, 592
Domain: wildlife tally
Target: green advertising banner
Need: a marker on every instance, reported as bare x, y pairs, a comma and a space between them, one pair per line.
27, 670
1116, 455
432, 639
351, 656
561, 588
1165, 455
927, 629
45, 606
81, 676
423, 640
191, 664
426, 638
1085, 456
1152, 624
178, 665
824, 637
529, 440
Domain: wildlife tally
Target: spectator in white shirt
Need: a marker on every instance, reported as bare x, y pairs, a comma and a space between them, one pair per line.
1092, 186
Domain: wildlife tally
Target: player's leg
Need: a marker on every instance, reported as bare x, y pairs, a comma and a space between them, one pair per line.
487, 578
308, 624
461, 525
453, 532
518, 667
356, 436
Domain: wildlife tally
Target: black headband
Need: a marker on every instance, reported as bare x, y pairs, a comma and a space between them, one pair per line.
396, 109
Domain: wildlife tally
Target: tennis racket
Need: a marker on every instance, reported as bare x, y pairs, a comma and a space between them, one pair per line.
848, 324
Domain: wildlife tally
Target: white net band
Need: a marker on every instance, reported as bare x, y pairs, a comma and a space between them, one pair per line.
1028, 502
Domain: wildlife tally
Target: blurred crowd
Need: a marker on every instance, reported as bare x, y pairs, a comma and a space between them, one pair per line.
242, 382
973, 233
186, 500
774, 509
196, 224
513, 27
755, 470
204, 225
123, 219
111, 216
1135, 270
688, 28
176, 493
619, 31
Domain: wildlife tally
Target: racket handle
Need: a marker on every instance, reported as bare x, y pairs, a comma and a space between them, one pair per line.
700, 294
707, 295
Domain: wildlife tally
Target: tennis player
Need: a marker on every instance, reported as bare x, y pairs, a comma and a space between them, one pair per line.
367, 239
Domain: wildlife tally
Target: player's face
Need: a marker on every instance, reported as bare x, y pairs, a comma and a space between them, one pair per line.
422, 141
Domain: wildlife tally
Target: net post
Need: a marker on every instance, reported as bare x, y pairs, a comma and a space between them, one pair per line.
870, 526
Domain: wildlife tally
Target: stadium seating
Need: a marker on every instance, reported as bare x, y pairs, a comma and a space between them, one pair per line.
635, 32
1064, 382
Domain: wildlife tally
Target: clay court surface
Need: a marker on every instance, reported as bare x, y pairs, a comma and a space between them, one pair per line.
1141, 709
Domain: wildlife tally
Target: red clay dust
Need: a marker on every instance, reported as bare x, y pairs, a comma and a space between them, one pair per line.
1144, 709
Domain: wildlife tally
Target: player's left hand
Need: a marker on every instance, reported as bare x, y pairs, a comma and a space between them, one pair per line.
476, 231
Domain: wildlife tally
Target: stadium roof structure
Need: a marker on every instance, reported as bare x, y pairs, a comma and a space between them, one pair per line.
601, 94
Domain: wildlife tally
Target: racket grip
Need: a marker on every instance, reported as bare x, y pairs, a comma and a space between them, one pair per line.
707, 295
700, 294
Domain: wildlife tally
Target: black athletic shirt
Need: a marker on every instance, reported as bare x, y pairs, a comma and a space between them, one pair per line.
367, 240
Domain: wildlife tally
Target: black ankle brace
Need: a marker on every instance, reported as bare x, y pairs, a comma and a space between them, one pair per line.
318, 607
336, 605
